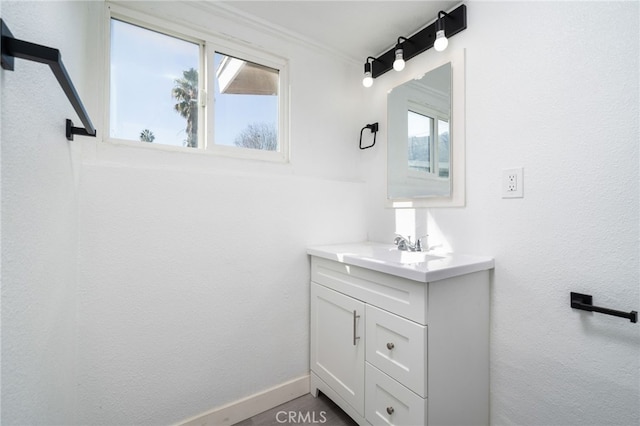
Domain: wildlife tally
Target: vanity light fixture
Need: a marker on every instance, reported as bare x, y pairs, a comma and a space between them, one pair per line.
446, 25
398, 63
441, 42
367, 81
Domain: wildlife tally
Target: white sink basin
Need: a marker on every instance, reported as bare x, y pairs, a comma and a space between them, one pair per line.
393, 255
417, 266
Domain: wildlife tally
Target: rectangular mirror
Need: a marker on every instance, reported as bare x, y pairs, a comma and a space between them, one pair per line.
425, 145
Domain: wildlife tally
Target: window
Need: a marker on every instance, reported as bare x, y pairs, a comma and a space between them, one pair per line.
420, 139
444, 151
158, 93
426, 153
246, 104
154, 82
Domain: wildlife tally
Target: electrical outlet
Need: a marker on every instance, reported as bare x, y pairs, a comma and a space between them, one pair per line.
512, 183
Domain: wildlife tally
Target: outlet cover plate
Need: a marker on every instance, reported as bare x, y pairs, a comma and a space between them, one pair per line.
512, 183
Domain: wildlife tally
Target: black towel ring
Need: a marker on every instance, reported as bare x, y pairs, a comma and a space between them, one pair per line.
374, 129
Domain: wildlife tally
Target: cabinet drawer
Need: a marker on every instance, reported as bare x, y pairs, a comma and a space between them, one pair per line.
398, 347
387, 402
404, 297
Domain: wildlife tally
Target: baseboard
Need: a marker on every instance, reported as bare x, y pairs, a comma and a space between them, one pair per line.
242, 409
317, 384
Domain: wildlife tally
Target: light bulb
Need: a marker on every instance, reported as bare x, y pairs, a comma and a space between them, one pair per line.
367, 81
441, 42
398, 64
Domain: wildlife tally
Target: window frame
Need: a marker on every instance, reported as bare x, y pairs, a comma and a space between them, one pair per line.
209, 43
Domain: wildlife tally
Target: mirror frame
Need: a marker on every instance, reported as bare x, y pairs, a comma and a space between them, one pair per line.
458, 139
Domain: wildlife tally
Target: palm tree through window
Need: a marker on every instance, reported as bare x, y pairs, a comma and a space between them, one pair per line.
153, 86
185, 93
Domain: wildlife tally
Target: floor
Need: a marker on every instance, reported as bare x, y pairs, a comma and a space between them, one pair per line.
305, 410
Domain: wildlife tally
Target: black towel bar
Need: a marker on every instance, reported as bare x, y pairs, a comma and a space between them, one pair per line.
585, 303
14, 48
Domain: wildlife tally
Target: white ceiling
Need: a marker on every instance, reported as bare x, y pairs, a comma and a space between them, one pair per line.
356, 29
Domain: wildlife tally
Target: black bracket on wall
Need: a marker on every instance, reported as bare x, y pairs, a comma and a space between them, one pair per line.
454, 22
14, 48
585, 303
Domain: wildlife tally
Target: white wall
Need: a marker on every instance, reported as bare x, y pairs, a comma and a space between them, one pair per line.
143, 286
191, 287
193, 276
551, 90
39, 221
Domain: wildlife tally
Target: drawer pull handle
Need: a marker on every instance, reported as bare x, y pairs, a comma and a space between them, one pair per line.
390, 346
390, 410
355, 338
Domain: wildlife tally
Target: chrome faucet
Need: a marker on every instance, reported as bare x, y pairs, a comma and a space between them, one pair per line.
405, 244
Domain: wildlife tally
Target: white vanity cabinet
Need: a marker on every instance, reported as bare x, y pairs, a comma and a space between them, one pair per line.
395, 351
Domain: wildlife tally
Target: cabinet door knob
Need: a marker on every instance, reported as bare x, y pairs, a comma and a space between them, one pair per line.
390, 410
390, 346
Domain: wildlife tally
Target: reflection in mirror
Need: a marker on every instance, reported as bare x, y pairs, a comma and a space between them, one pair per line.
419, 150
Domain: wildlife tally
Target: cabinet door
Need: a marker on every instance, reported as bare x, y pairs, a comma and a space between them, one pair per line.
337, 343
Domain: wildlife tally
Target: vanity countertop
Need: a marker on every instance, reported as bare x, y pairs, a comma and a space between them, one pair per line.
424, 266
